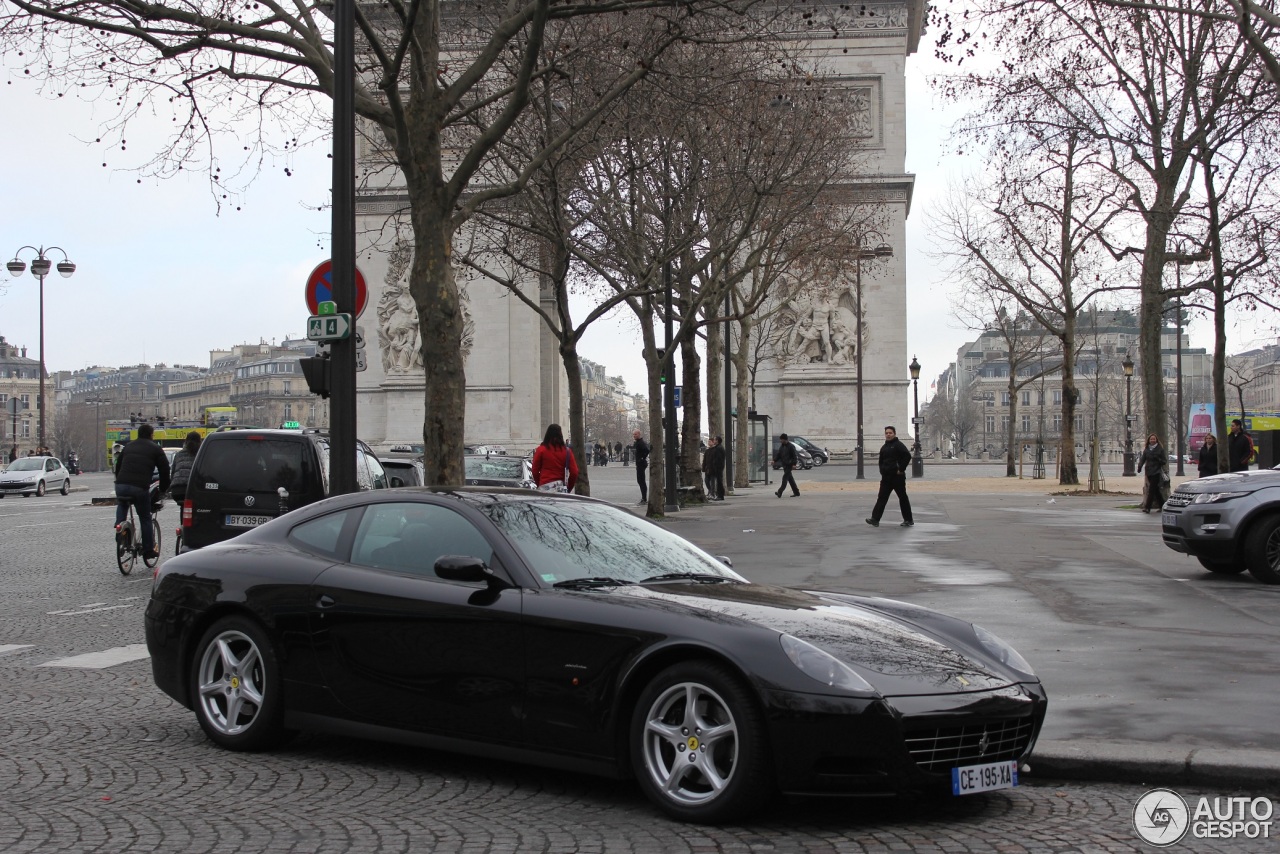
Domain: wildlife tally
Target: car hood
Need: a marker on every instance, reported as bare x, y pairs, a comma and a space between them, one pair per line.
898, 656
1237, 481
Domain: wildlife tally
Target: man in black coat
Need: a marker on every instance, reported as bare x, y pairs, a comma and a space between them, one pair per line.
894, 459
1239, 447
786, 459
134, 467
713, 466
641, 451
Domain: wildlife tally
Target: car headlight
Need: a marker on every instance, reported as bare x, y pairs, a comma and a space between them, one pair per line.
1216, 497
1002, 652
823, 666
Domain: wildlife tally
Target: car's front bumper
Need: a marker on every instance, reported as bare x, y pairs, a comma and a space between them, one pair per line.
831, 746
1200, 530
18, 488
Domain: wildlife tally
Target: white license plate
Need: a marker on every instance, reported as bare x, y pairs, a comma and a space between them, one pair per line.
247, 521
984, 778
1170, 519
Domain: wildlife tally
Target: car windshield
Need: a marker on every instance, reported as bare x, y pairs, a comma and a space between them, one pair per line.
27, 464
253, 464
507, 468
564, 540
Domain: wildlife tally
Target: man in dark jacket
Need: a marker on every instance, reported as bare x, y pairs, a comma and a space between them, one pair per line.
713, 467
894, 459
1239, 447
134, 466
786, 458
641, 451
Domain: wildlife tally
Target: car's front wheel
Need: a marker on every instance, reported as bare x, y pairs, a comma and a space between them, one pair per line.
66, 487
236, 686
1262, 550
819, 461
698, 744
40, 489
1222, 567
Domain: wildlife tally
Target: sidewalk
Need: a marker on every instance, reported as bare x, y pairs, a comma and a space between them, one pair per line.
1157, 672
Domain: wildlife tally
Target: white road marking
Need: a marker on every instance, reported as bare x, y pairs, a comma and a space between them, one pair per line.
105, 658
13, 647
85, 609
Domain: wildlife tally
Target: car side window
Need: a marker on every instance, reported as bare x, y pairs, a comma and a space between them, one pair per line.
364, 480
321, 535
410, 537
377, 472
51, 465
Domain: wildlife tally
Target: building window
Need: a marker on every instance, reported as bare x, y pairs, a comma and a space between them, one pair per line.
1057, 423
1026, 398
991, 424
1026, 424
1004, 398
288, 386
26, 428
1057, 397
288, 412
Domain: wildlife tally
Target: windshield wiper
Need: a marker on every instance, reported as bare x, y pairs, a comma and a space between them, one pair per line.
688, 576
592, 581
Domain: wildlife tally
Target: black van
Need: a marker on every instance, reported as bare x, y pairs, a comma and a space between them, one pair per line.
244, 478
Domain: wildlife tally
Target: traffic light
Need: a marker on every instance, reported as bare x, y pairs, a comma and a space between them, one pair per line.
662, 365
316, 370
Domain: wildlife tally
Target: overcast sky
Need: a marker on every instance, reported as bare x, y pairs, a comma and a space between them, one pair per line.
164, 277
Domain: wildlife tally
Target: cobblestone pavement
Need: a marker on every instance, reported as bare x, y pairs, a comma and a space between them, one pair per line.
93, 758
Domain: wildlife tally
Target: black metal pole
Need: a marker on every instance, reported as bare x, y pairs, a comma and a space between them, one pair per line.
858, 311
1182, 448
917, 462
728, 389
342, 420
671, 501
42, 371
1128, 428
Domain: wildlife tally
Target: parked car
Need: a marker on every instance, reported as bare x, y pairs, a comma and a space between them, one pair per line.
820, 455
498, 470
245, 478
570, 632
404, 472
34, 476
803, 457
1228, 522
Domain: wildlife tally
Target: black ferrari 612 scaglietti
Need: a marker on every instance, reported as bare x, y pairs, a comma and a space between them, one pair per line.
569, 632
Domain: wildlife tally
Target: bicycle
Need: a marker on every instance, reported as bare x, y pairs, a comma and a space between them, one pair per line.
129, 542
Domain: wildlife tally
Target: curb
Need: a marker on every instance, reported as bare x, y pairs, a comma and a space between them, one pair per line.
1156, 764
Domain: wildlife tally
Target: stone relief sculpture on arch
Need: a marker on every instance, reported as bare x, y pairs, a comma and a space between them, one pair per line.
399, 335
818, 324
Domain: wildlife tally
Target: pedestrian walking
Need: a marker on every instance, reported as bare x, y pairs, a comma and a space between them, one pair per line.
554, 468
180, 474
640, 449
1155, 459
713, 467
1208, 462
894, 459
1239, 447
786, 458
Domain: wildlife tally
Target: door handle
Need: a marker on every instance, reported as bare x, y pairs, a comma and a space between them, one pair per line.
325, 601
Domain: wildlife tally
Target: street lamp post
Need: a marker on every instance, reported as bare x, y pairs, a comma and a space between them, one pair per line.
40, 267
866, 252
1128, 417
917, 462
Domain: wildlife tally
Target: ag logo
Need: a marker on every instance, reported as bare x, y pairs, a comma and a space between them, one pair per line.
248, 501
1161, 817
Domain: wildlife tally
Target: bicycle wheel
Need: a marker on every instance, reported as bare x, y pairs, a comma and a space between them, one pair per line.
126, 555
152, 559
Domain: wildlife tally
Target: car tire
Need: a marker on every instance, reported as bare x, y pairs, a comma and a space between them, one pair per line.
1222, 567
703, 710
66, 487
819, 462
236, 688
1262, 549
40, 489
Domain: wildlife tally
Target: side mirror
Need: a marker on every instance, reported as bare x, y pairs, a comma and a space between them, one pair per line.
467, 569
726, 560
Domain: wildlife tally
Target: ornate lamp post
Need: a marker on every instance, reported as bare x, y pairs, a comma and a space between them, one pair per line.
1128, 417
40, 267
866, 252
917, 462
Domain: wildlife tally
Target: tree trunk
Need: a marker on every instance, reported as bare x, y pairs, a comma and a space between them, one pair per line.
577, 429
740, 354
1151, 320
1011, 464
715, 378
691, 426
1068, 473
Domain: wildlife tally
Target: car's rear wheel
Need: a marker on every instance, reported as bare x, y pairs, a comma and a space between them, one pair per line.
698, 744
1222, 567
66, 487
40, 489
236, 686
1262, 550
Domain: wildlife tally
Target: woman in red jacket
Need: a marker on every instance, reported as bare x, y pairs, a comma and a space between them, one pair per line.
554, 468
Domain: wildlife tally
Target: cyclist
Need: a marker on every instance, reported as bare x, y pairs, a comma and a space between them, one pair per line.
182, 467
135, 464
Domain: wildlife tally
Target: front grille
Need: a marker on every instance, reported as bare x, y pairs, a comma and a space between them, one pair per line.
944, 748
1180, 499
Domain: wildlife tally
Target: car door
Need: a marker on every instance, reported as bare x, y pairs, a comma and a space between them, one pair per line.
401, 647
